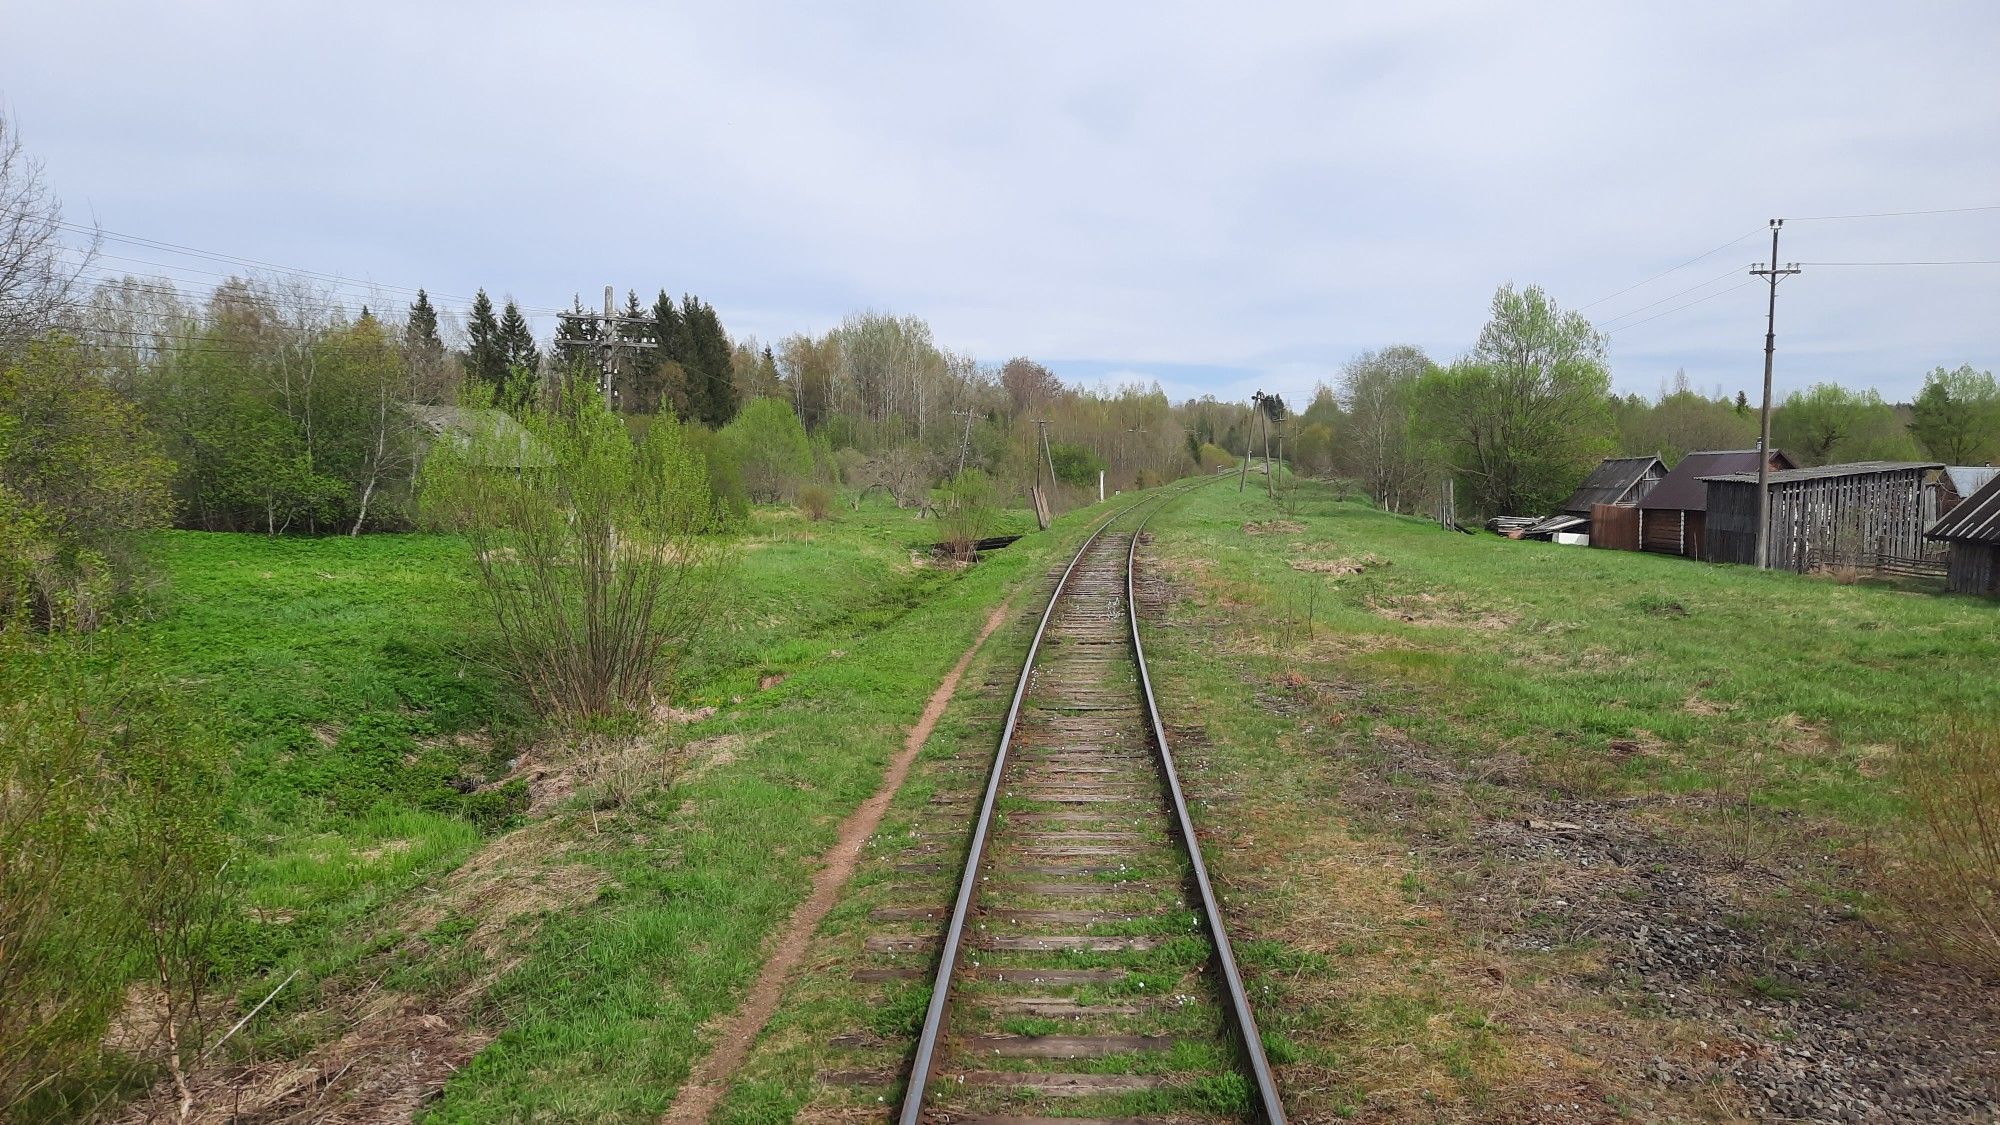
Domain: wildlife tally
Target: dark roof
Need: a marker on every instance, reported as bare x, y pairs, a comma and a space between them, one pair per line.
1827, 472
1683, 489
1976, 519
1610, 481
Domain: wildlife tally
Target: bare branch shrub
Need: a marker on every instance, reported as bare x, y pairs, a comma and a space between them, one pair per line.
596, 555
1950, 885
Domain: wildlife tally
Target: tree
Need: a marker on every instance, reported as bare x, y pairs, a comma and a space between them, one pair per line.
1076, 464
37, 281
424, 352
485, 352
1827, 423
1029, 385
1956, 417
1681, 422
1380, 393
770, 448
77, 471
1527, 414
521, 359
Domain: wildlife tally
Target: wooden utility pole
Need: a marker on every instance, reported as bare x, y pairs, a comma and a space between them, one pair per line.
965, 443
609, 341
1773, 275
1249, 442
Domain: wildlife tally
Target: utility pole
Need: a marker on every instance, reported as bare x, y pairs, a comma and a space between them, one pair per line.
1773, 275
609, 341
1042, 425
1249, 443
965, 443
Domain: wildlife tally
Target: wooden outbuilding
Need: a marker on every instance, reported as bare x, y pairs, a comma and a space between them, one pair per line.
1604, 505
1971, 535
1956, 482
1673, 516
1865, 514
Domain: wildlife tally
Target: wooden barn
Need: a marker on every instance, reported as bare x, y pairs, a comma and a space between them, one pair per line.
1971, 535
1673, 516
1614, 487
1865, 514
1956, 482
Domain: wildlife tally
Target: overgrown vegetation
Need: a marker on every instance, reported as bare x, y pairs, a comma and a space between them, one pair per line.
597, 557
1952, 883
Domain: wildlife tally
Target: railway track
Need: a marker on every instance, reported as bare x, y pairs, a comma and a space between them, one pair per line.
1083, 960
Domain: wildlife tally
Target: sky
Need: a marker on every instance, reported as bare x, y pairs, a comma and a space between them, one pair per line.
1221, 198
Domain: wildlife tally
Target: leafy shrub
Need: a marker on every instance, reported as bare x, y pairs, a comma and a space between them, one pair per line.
597, 567
816, 501
770, 449
1076, 464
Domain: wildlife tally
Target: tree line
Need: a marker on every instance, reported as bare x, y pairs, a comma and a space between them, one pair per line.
1523, 417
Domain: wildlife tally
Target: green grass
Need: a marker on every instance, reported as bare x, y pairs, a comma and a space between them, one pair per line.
1795, 688
370, 729
1359, 723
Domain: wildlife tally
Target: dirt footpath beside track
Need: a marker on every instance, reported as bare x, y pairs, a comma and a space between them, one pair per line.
734, 1036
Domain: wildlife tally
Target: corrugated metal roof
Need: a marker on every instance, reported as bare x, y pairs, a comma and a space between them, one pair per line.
1683, 489
1828, 472
1610, 481
1976, 519
1968, 479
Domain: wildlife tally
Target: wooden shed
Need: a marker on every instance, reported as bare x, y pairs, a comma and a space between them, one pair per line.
1864, 514
1619, 481
1673, 516
1971, 535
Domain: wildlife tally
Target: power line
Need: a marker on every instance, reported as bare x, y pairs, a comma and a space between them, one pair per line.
1899, 214
1677, 308
1676, 269
1731, 272
1969, 262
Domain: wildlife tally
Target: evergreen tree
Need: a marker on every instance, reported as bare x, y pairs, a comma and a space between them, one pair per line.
522, 358
708, 363
639, 368
672, 364
517, 341
485, 354
420, 333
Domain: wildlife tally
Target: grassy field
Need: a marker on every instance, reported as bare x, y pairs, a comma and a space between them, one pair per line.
1539, 825
545, 924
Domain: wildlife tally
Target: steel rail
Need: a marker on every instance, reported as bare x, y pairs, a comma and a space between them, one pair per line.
920, 1068
1239, 1001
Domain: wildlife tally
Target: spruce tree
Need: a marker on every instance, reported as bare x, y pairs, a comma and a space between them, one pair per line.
420, 333
674, 378
640, 367
517, 340
711, 355
485, 355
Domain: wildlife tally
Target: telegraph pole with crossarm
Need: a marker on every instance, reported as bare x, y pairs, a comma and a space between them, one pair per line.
1773, 274
609, 340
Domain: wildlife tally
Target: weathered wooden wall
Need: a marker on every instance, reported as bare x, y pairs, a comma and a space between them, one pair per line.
1974, 568
1873, 521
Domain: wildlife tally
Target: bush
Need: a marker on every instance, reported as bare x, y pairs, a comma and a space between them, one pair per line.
816, 501
770, 448
1214, 457
598, 566
1076, 464
1951, 884
77, 471
111, 854
968, 511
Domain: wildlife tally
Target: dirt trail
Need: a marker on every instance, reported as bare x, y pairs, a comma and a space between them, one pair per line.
704, 1088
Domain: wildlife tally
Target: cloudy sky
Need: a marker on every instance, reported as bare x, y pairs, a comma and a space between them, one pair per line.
1221, 197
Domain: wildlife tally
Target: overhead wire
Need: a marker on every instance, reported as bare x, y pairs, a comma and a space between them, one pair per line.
1677, 308
1672, 296
1675, 269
